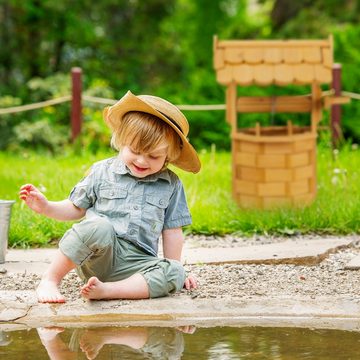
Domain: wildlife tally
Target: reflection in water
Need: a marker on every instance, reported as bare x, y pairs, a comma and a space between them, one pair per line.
124, 343
220, 343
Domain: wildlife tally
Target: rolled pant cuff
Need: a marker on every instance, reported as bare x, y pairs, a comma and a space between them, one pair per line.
76, 251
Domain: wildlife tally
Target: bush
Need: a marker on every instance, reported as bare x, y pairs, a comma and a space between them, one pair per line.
39, 136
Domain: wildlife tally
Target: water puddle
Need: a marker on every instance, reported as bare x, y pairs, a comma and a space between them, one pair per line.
218, 343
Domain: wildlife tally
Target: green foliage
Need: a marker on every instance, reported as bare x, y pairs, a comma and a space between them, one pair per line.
8, 122
44, 129
39, 136
158, 47
348, 52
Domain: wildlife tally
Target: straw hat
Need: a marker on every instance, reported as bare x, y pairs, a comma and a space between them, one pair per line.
188, 159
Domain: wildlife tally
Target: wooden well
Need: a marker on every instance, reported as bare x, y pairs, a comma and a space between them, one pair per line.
274, 166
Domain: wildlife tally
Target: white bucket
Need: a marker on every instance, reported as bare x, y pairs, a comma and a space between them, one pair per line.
5, 214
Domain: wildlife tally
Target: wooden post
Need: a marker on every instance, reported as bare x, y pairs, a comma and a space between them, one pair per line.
336, 109
76, 109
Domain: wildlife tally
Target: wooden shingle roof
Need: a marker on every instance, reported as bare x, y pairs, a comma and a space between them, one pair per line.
280, 62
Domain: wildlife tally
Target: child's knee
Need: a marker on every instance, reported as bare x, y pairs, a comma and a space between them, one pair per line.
89, 237
165, 278
96, 231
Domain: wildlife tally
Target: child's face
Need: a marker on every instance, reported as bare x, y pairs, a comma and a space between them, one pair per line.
141, 164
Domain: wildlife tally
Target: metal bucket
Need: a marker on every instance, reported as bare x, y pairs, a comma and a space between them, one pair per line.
5, 214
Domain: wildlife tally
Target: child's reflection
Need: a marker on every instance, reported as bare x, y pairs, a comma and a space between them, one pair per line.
135, 342
54, 345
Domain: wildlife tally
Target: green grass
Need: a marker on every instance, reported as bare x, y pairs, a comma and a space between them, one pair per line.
335, 211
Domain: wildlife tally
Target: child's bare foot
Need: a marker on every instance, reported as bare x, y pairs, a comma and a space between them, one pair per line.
49, 333
48, 292
91, 344
95, 289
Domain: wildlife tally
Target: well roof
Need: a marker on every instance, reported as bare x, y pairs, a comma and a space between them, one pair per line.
281, 62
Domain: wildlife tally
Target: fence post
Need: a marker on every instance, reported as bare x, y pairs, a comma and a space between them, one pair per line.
336, 133
76, 109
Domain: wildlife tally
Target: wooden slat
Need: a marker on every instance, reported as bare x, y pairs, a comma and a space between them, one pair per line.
253, 55
288, 104
327, 57
273, 55
245, 159
231, 113
224, 75
234, 56
300, 159
246, 187
316, 112
292, 55
278, 175
243, 74
263, 74
312, 180
303, 172
276, 161
219, 61
283, 74
322, 75
304, 73
299, 187
250, 147
335, 100
272, 43
312, 55
278, 148
243, 135
251, 174
272, 189
301, 146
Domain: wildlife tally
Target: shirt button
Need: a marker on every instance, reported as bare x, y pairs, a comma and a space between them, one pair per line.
161, 202
112, 193
132, 232
136, 207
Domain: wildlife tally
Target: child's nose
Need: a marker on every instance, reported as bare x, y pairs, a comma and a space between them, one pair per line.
141, 159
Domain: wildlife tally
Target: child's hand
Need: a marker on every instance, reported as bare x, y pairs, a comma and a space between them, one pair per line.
33, 198
190, 282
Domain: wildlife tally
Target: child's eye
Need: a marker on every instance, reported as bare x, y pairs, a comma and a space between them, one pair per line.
153, 157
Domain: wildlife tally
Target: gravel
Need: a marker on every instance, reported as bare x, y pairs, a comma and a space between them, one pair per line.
237, 281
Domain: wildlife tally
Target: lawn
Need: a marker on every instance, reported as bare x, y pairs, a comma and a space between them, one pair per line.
335, 211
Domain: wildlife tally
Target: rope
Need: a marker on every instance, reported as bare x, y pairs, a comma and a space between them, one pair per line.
202, 107
34, 106
104, 101
181, 107
98, 100
351, 95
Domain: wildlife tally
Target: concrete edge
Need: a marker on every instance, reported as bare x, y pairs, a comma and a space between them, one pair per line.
299, 260
320, 313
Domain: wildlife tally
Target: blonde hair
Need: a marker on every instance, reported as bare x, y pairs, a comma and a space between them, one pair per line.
144, 132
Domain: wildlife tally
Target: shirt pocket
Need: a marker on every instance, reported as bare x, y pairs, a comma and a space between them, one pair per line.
154, 213
160, 201
111, 200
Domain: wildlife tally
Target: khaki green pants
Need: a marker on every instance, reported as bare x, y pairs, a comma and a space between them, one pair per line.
93, 246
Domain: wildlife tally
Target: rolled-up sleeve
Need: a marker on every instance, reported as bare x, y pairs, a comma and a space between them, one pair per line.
177, 213
83, 194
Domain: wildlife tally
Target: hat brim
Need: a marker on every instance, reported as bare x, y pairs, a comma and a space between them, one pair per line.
188, 159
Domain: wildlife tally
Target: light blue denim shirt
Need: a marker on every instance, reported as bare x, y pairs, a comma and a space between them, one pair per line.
139, 208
